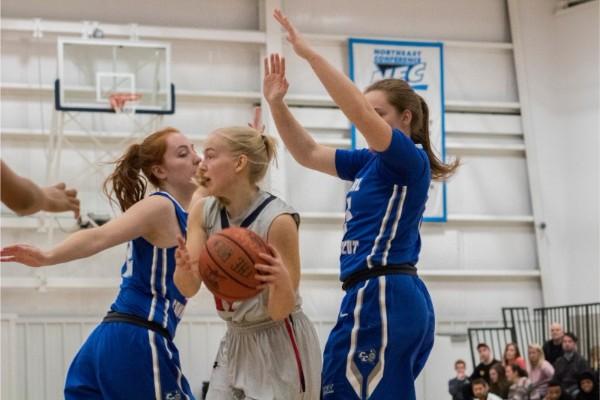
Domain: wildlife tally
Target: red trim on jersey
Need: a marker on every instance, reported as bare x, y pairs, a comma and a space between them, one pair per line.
290, 331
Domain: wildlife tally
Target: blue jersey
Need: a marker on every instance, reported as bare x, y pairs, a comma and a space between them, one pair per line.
147, 287
385, 205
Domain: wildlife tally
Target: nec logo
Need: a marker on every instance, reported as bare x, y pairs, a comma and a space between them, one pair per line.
404, 64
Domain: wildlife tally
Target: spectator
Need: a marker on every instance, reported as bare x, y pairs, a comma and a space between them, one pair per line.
458, 384
570, 365
553, 347
588, 387
498, 383
486, 360
481, 390
540, 371
512, 355
520, 387
555, 391
594, 362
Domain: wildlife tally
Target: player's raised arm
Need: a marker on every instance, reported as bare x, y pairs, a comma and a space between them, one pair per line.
341, 89
298, 141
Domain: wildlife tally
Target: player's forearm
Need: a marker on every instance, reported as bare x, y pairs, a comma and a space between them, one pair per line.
187, 286
297, 140
81, 244
341, 89
282, 301
24, 198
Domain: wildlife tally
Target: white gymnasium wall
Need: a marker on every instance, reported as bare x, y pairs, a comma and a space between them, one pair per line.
483, 258
559, 57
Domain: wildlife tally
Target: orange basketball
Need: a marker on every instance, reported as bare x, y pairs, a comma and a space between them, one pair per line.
227, 263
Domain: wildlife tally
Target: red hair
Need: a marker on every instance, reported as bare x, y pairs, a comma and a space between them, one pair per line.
133, 170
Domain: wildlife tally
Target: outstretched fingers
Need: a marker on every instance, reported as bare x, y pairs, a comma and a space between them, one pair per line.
267, 73
8, 253
285, 23
275, 64
9, 250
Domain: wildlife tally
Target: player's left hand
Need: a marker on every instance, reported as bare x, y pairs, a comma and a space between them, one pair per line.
272, 272
300, 45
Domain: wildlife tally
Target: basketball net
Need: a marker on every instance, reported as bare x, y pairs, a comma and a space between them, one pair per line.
124, 102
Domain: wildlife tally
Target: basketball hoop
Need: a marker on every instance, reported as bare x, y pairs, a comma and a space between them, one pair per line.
118, 102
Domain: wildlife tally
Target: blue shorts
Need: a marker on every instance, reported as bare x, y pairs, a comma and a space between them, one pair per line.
381, 341
124, 361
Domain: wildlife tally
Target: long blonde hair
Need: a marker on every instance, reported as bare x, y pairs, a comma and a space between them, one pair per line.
540, 351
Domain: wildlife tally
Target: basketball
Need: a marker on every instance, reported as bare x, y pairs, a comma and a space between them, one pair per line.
227, 263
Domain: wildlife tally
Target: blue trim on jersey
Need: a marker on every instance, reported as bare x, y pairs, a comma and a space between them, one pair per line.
147, 288
385, 204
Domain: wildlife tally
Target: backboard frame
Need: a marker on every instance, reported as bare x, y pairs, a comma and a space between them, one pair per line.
59, 95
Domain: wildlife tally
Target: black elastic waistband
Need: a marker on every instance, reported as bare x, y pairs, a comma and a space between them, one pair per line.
379, 270
115, 316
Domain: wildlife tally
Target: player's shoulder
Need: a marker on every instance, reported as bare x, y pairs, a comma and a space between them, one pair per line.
152, 206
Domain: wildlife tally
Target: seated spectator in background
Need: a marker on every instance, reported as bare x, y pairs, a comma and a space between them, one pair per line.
481, 390
540, 371
553, 347
512, 355
594, 362
486, 360
588, 387
555, 391
570, 365
498, 383
520, 387
457, 385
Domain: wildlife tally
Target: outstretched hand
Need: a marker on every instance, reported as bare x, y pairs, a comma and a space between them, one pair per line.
301, 46
24, 254
58, 198
275, 85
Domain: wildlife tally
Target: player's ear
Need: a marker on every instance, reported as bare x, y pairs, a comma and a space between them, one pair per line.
158, 171
241, 162
406, 117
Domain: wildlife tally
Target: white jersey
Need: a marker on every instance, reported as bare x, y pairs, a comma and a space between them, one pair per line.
259, 358
253, 310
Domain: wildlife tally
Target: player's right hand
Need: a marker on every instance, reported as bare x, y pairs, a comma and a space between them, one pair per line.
24, 254
182, 256
58, 198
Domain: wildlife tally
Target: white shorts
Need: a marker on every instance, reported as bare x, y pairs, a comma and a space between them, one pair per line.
273, 360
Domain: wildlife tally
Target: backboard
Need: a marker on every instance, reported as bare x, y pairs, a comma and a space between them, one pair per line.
91, 70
